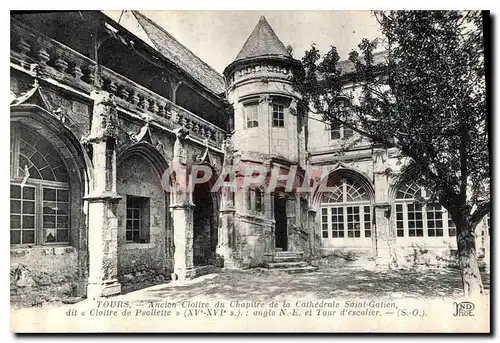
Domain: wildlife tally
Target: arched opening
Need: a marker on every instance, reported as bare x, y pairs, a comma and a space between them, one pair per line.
418, 219
346, 210
39, 191
204, 224
50, 173
145, 235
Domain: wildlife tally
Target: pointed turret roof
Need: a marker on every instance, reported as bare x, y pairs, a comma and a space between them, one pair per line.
262, 42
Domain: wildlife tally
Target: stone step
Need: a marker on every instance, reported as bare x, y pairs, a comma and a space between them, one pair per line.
296, 270
287, 258
288, 253
294, 264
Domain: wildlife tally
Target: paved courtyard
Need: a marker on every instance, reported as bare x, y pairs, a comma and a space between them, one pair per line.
242, 285
431, 286
324, 283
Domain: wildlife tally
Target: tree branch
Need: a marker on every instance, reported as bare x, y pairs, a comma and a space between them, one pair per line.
482, 209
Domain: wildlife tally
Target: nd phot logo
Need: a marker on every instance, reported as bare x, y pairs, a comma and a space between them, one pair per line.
463, 309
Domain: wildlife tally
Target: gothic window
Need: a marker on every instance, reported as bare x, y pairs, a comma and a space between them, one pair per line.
346, 211
39, 191
278, 115
414, 218
137, 226
252, 116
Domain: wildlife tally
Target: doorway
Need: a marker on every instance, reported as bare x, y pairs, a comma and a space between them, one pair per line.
280, 231
204, 230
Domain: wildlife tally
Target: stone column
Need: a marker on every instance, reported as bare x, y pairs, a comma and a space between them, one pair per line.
182, 215
226, 229
102, 200
314, 234
181, 209
225, 241
383, 237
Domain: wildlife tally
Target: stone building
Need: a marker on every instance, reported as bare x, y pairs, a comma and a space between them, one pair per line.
100, 111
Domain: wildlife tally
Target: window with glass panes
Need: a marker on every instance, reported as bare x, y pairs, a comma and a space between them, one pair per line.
278, 115
39, 191
137, 220
415, 218
252, 115
259, 200
346, 210
255, 200
338, 131
324, 222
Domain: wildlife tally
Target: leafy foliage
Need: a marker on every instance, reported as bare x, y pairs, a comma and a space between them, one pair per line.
424, 95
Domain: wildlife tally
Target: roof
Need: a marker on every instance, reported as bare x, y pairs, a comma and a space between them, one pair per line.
169, 47
347, 67
262, 42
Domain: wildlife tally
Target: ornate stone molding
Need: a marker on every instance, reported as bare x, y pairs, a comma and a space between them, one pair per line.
104, 117
180, 153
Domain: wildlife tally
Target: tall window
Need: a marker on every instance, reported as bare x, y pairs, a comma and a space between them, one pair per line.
278, 115
414, 218
39, 191
255, 200
346, 210
252, 116
259, 200
338, 131
137, 226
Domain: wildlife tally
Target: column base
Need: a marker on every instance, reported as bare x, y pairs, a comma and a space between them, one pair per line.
226, 253
183, 274
105, 289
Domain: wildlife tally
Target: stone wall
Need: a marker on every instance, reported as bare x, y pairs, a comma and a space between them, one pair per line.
140, 262
42, 274
254, 240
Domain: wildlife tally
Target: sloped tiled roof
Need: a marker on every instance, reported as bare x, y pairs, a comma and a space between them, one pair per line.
262, 42
181, 56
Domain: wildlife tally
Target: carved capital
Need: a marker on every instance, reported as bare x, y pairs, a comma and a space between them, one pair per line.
104, 117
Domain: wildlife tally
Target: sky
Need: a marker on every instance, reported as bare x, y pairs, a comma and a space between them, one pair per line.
217, 36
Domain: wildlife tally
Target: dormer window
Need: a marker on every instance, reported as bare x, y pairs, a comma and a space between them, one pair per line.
252, 116
278, 115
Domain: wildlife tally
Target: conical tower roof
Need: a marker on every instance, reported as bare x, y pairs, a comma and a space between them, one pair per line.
262, 42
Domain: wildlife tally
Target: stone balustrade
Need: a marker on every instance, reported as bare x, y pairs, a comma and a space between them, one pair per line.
134, 96
67, 66
51, 56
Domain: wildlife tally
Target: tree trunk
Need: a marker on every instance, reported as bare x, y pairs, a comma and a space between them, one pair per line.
471, 278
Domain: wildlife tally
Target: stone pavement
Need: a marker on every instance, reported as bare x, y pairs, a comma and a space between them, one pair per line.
235, 285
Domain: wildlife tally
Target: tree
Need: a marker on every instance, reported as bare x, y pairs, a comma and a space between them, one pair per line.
427, 98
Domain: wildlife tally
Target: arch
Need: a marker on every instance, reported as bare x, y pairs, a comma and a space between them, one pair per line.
74, 156
76, 162
205, 220
345, 200
35, 154
144, 211
333, 178
406, 191
149, 152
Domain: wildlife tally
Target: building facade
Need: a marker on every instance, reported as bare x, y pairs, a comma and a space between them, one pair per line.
102, 113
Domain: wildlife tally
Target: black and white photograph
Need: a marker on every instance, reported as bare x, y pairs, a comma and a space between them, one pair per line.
250, 171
